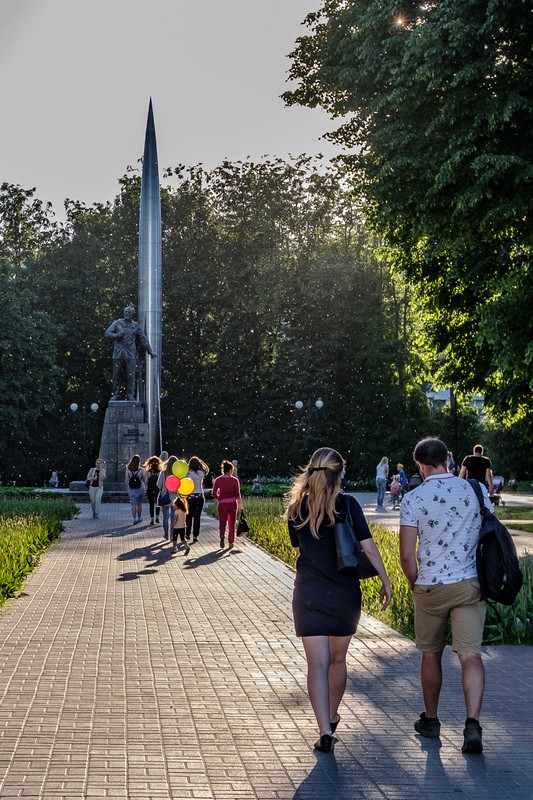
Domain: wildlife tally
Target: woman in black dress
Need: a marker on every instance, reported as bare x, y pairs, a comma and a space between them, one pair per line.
326, 604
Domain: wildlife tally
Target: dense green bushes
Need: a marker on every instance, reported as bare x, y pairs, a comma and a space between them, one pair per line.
28, 523
505, 624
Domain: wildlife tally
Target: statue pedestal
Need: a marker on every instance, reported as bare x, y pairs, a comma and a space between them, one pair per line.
124, 433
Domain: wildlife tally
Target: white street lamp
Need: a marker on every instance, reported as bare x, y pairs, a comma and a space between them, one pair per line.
299, 406
74, 407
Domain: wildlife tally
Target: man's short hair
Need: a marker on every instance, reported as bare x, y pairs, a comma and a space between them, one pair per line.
431, 452
478, 448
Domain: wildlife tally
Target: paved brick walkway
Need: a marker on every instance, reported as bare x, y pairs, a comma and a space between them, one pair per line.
126, 672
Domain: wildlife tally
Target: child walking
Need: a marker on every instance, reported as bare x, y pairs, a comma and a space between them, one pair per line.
179, 527
395, 490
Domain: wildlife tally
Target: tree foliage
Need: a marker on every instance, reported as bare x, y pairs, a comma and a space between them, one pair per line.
436, 107
272, 293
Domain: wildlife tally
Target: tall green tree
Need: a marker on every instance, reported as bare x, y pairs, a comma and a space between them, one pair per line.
436, 105
28, 350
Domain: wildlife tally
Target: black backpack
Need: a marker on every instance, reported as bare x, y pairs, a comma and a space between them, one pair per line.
135, 481
497, 564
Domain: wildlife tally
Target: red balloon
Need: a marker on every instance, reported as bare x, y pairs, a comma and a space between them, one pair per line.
172, 483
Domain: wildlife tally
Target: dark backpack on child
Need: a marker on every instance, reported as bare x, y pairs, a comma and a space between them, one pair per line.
135, 481
497, 563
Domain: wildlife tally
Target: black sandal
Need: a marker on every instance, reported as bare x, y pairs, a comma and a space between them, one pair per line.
334, 724
325, 743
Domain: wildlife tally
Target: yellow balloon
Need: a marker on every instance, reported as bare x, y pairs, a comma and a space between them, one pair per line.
186, 486
180, 469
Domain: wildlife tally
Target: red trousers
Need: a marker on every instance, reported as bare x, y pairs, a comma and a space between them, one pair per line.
227, 512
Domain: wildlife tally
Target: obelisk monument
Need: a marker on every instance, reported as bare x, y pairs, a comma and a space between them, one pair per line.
150, 297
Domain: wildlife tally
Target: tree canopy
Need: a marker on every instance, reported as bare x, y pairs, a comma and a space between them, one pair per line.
271, 294
436, 108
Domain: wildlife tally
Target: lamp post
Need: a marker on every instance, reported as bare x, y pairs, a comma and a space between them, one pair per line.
299, 406
74, 407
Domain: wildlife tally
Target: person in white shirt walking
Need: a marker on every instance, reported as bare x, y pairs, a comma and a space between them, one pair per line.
439, 530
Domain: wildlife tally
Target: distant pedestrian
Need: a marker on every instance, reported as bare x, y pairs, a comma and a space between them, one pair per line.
404, 480
452, 466
382, 473
227, 493
395, 489
326, 604
136, 486
53, 483
181, 510
479, 467
198, 471
152, 467
95, 479
439, 530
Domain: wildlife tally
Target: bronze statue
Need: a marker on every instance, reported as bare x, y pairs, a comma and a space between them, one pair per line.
131, 344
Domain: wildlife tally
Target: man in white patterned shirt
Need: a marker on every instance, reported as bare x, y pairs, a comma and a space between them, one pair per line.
439, 530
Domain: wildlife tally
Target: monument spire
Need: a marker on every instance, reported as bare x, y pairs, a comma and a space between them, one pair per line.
150, 292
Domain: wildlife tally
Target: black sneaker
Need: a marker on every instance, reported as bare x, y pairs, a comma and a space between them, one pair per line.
430, 728
472, 737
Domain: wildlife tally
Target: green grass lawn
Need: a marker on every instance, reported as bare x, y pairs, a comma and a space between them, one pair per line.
514, 512
29, 522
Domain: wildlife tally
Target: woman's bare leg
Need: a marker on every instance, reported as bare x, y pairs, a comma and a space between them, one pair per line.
326, 675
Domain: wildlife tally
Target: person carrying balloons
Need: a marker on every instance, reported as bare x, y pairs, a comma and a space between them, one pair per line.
172, 479
227, 493
197, 472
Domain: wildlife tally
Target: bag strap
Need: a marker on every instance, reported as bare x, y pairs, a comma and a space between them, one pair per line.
479, 494
348, 515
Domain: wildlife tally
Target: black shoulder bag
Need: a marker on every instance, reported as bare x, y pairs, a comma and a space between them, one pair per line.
351, 559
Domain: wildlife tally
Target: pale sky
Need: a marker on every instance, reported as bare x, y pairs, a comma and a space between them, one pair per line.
76, 77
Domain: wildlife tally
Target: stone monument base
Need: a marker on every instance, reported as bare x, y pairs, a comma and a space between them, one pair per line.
124, 434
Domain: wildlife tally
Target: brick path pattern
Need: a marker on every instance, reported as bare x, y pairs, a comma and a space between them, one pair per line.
129, 672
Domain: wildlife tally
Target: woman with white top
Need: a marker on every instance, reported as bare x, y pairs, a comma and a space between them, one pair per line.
198, 470
95, 478
382, 473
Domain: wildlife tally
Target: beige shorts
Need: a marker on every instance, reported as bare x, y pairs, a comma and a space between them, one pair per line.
458, 602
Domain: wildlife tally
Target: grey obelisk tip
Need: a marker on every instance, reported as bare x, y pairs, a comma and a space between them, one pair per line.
150, 292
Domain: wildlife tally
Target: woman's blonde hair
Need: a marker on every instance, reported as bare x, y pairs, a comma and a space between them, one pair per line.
384, 462
314, 492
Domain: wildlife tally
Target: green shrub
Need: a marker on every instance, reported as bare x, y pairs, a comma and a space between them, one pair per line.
29, 521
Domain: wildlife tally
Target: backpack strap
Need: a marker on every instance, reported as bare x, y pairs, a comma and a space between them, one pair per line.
477, 489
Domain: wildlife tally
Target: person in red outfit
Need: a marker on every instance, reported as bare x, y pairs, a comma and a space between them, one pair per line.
227, 493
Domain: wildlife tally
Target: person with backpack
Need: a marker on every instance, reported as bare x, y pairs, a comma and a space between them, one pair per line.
136, 486
152, 467
440, 523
